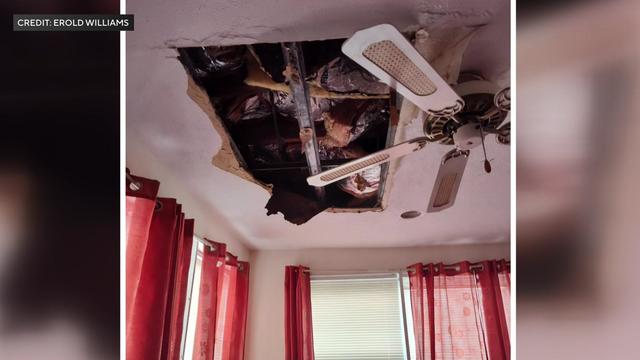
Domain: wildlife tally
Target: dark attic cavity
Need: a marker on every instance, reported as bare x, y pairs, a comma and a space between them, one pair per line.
350, 110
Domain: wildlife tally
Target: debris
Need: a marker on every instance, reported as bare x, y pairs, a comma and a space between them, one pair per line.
225, 159
250, 107
257, 76
364, 184
296, 208
244, 92
339, 121
349, 119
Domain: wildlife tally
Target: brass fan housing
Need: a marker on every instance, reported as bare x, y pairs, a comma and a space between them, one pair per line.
479, 108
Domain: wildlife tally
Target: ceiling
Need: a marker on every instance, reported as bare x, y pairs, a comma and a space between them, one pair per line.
166, 129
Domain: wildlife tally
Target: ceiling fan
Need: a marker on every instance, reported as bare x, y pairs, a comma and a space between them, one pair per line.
460, 117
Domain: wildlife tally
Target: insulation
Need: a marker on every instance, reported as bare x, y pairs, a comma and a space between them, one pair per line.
342, 75
259, 75
225, 159
364, 184
348, 119
254, 112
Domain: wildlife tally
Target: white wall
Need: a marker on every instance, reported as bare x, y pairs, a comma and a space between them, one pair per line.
265, 331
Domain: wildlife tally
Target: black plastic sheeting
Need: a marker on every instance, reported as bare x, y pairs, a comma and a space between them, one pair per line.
342, 75
220, 70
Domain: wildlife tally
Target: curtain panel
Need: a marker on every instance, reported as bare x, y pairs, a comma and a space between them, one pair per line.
156, 242
222, 309
212, 258
183, 263
298, 325
461, 311
240, 311
158, 258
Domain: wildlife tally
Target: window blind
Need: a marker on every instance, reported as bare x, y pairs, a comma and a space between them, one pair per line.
357, 319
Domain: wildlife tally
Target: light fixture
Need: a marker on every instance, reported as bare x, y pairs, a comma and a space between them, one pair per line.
411, 214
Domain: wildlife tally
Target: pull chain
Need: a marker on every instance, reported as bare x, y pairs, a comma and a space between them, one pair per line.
487, 164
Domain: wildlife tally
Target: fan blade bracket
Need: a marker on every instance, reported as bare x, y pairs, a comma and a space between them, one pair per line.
387, 54
502, 99
503, 134
454, 154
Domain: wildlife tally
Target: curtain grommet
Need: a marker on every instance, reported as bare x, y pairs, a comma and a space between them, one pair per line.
135, 186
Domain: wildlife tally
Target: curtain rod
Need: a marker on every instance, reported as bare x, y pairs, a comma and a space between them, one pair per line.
355, 272
472, 267
373, 272
206, 243
212, 247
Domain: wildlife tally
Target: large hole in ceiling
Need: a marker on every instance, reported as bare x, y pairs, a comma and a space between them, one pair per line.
351, 112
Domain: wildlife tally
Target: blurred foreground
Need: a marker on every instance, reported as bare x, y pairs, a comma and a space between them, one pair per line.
59, 187
578, 200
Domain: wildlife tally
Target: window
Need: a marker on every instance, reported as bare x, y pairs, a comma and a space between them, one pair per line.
409, 318
193, 293
360, 318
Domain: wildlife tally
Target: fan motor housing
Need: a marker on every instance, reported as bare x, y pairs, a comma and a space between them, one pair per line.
467, 136
479, 108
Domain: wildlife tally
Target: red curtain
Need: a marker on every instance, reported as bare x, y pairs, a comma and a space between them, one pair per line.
212, 259
240, 312
227, 278
222, 307
298, 325
461, 311
159, 248
155, 262
183, 262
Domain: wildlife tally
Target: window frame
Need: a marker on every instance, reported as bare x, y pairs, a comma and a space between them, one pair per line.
197, 249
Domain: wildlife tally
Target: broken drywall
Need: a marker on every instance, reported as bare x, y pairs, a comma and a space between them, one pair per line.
225, 158
343, 108
244, 94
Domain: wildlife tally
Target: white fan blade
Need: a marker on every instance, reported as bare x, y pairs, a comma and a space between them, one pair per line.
448, 180
385, 53
365, 162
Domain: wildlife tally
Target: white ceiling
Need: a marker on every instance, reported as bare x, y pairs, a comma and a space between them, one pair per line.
165, 127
